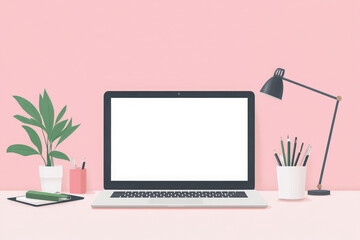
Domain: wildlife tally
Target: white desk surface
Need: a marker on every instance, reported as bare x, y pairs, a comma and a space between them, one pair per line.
316, 217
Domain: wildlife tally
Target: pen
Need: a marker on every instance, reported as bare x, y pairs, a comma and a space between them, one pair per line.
293, 155
298, 156
83, 164
277, 158
303, 158
307, 157
73, 163
288, 150
283, 150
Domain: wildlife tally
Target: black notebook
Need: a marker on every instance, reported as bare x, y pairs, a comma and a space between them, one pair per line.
40, 203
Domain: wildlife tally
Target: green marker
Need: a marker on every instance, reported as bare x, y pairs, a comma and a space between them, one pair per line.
288, 150
283, 150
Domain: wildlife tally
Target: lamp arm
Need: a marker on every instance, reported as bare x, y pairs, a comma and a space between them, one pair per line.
312, 89
328, 144
338, 99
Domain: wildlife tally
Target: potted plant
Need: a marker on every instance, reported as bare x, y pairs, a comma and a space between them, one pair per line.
53, 131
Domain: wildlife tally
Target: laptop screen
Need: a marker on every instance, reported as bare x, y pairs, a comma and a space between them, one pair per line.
179, 139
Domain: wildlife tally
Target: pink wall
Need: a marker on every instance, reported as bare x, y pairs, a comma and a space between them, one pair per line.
79, 49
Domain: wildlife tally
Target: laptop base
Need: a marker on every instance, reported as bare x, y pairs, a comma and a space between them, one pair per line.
104, 200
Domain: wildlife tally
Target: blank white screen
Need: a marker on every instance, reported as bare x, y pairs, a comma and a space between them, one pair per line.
179, 139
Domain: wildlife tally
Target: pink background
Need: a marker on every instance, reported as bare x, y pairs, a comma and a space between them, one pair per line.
77, 50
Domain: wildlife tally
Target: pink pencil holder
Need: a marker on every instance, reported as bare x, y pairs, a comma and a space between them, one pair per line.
78, 180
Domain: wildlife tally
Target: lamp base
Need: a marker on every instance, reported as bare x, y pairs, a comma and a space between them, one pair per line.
319, 192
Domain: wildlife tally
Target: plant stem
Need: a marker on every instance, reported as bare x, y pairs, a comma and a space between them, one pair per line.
51, 158
47, 156
47, 150
45, 143
43, 159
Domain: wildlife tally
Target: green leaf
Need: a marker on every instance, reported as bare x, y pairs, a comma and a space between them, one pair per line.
22, 150
57, 130
47, 112
68, 127
34, 137
67, 132
40, 99
30, 121
28, 107
35, 123
61, 114
60, 155
23, 119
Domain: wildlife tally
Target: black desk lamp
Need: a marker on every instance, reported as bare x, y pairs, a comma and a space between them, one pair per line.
274, 88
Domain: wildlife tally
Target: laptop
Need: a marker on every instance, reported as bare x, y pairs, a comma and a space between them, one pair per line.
179, 149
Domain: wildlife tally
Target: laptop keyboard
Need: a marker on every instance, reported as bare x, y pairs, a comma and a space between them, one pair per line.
179, 194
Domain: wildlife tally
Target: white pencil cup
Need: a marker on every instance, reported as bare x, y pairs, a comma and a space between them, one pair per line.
291, 182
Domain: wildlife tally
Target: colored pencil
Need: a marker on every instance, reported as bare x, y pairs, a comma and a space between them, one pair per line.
293, 155
303, 158
283, 150
307, 157
277, 158
298, 156
288, 150
282, 160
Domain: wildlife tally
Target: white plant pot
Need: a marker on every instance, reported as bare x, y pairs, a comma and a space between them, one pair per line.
51, 178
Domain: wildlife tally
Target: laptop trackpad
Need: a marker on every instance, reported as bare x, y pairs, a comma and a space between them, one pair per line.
175, 201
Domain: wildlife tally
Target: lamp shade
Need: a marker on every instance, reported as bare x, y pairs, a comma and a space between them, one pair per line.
274, 86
